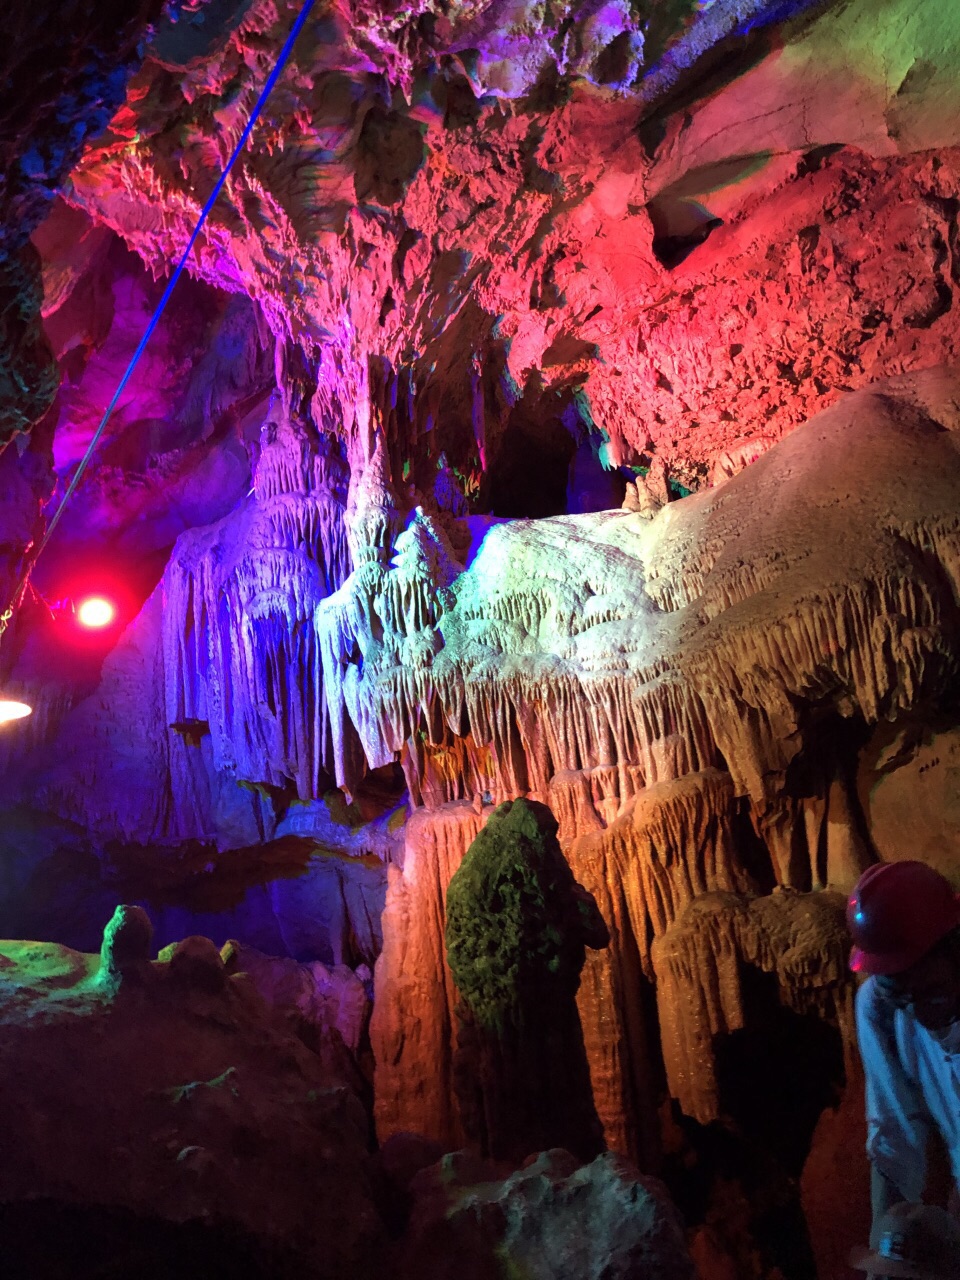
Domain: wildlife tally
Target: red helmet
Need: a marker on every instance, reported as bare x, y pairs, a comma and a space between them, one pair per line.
896, 913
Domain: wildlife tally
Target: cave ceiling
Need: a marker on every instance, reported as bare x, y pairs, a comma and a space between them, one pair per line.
668, 231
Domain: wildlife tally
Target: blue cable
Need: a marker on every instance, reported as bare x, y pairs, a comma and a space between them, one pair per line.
155, 319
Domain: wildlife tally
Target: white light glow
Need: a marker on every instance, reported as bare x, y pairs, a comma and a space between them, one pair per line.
11, 710
95, 612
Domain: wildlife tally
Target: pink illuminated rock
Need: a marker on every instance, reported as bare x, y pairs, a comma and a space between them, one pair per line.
703, 279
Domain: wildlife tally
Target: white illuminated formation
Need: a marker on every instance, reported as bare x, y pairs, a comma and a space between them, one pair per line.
95, 612
11, 710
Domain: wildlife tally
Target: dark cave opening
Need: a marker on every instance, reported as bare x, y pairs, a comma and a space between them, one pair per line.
740, 1175
777, 1074
679, 226
775, 1078
551, 467
528, 476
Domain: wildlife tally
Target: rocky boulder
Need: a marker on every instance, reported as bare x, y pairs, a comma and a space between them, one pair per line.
550, 1221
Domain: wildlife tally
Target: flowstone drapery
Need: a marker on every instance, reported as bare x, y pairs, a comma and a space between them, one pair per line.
689, 691
222, 668
680, 738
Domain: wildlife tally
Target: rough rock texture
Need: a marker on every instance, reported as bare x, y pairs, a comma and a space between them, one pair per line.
511, 261
684, 269
166, 1089
176, 447
311, 996
908, 785
177, 451
730, 751
63, 77
385, 365
517, 929
551, 1220
815, 591
674, 843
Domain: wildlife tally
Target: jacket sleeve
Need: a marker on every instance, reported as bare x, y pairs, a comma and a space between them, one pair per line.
898, 1123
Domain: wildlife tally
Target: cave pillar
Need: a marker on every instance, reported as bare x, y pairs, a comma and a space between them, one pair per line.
411, 1029
517, 926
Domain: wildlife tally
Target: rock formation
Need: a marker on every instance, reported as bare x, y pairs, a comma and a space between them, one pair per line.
564, 405
695, 708
467, 1221
517, 929
162, 1092
689, 691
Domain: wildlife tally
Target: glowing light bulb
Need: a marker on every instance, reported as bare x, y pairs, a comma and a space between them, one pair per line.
95, 612
13, 710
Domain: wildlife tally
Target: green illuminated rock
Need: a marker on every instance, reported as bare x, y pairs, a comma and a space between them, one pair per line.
517, 921
517, 928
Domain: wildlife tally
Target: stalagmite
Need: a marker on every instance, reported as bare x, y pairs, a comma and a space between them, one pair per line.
517, 929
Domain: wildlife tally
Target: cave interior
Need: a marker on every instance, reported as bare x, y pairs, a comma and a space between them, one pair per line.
479, 583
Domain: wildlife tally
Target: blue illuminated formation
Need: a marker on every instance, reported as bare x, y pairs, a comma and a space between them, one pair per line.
777, 13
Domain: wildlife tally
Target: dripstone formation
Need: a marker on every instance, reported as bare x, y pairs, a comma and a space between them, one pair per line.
517, 929
552, 452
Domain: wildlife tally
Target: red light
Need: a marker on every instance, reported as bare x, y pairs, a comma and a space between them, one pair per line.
95, 612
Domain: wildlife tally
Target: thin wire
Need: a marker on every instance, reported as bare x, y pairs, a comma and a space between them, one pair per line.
158, 312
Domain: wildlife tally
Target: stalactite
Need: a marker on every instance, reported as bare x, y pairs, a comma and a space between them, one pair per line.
676, 842
669, 726
666, 740
222, 670
800, 938
240, 649
412, 1026
663, 647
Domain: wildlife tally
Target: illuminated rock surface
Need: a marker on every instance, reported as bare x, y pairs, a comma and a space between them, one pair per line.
164, 1088
549, 1221
485, 456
